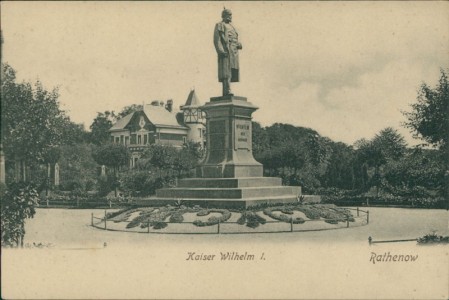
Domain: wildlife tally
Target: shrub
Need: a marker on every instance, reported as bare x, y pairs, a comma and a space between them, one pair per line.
177, 217
311, 212
17, 204
433, 238
225, 215
158, 225
203, 213
251, 219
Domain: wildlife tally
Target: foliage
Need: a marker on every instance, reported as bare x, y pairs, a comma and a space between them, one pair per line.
17, 204
298, 155
329, 213
418, 170
429, 117
78, 169
176, 217
111, 155
161, 157
433, 238
140, 183
251, 219
283, 217
32, 123
129, 109
386, 147
100, 126
225, 215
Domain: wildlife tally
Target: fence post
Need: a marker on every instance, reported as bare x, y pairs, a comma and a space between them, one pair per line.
347, 221
110, 203
92, 219
357, 211
367, 217
218, 227
370, 240
148, 227
291, 224
105, 222
77, 202
47, 201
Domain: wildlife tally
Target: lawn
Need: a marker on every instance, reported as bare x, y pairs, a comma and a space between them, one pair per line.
71, 228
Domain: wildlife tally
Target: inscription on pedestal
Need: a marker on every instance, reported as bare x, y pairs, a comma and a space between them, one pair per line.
242, 136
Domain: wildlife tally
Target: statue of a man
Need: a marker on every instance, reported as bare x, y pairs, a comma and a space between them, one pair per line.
227, 45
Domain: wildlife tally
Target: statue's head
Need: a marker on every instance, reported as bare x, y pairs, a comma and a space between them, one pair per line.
226, 15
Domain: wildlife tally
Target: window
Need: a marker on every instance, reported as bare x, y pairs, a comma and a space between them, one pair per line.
117, 140
200, 131
139, 139
122, 139
145, 139
184, 140
126, 140
133, 139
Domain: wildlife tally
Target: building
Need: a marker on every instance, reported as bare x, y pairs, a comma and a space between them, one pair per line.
158, 123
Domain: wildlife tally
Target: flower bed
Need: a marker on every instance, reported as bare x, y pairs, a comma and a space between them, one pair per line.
225, 215
251, 219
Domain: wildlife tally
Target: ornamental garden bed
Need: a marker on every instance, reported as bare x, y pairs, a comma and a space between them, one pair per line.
182, 219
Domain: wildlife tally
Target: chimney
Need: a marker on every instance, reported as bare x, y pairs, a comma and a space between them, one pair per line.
169, 105
155, 103
161, 103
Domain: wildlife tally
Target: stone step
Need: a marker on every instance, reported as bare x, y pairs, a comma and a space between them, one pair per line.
227, 193
229, 182
220, 202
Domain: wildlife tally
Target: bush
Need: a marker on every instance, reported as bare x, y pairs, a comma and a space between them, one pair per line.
203, 213
105, 186
225, 215
251, 219
176, 217
159, 225
433, 238
17, 204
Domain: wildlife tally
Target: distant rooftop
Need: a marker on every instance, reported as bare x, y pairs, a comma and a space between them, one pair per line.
160, 116
192, 101
121, 124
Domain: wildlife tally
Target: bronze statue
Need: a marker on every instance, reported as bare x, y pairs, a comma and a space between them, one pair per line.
227, 45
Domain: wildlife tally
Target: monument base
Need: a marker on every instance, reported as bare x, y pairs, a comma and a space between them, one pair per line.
240, 192
229, 176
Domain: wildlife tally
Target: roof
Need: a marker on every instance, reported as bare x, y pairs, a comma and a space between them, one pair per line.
192, 100
121, 124
161, 117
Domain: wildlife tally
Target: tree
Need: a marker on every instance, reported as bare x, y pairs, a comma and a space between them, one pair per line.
129, 109
32, 122
388, 145
112, 155
161, 157
340, 171
17, 204
99, 134
418, 173
429, 119
78, 169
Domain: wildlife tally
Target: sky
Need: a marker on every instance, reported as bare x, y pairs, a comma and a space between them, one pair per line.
345, 69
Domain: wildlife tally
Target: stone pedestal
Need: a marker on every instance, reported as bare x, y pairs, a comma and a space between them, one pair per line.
229, 175
229, 139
